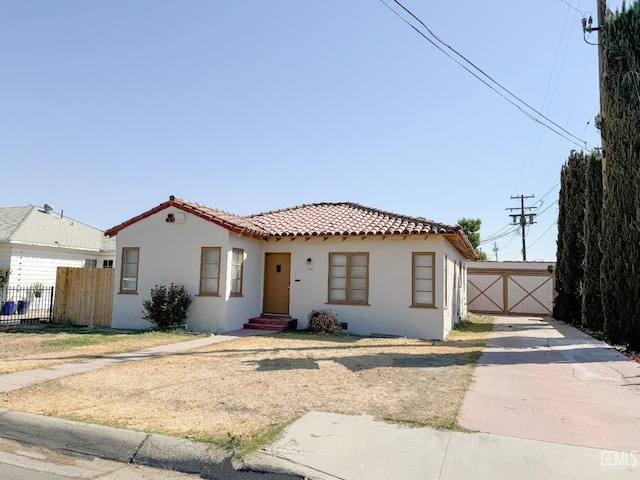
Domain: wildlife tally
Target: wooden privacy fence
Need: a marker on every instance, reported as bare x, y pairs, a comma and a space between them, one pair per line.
84, 296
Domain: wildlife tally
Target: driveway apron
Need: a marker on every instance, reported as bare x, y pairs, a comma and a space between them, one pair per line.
544, 380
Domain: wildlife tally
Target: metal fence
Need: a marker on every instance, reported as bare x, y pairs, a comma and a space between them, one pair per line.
23, 305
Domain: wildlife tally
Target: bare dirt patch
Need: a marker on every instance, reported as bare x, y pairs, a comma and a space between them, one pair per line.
45, 346
242, 388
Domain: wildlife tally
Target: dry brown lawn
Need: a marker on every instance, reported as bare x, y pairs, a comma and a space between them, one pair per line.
45, 346
242, 388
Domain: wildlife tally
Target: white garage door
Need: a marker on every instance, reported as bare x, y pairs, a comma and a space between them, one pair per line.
510, 292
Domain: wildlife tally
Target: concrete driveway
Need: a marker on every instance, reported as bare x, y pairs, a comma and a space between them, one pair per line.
544, 380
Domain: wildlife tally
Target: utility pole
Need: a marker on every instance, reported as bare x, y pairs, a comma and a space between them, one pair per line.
601, 7
602, 13
521, 218
495, 249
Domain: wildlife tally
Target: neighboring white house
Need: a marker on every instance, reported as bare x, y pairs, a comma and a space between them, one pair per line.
382, 273
34, 241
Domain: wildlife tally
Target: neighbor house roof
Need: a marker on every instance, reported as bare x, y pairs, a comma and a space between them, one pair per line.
317, 219
32, 225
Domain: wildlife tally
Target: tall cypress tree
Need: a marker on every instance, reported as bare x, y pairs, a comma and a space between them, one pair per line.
570, 253
592, 315
620, 127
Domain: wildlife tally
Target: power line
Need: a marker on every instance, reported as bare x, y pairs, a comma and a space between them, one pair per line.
550, 190
575, 140
531, 157
553, 157
497, 237
551, 205
543, 234
571, 6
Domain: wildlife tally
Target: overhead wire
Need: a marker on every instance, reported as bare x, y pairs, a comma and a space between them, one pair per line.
550, 205
499, 230
571, 6
553, 157
589, 121
543, 234
530, 157
509, 243
497, 237
557, 130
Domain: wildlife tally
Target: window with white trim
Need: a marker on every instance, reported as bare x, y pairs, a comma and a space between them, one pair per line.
349, 278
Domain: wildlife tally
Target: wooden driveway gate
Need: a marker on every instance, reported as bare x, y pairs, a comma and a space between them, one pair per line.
504, 288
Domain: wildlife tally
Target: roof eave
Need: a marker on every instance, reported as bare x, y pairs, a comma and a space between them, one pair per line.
248, 232
460, 241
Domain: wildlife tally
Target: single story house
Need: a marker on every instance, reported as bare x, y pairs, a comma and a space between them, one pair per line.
381, 273
35, 241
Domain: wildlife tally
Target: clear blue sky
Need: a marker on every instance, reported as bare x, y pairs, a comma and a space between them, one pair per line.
109, 107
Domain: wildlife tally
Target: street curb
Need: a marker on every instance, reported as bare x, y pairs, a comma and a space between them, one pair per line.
111, 443
182, 455
129, 446
66, 435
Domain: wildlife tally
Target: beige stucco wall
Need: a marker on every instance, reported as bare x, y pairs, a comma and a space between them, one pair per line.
170, 252
389, 310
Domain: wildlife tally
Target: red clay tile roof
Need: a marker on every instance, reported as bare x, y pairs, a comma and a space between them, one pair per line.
232, 222
317, 219
325, 219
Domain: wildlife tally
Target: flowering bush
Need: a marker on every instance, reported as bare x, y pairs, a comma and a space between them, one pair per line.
324, 321
167, 308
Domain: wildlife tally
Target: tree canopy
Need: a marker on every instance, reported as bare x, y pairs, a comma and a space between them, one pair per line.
471, 228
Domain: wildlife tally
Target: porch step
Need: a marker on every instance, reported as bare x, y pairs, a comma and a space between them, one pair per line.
275, 323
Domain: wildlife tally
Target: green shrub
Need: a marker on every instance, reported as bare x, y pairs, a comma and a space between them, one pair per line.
167, 308
4, 276
324, 321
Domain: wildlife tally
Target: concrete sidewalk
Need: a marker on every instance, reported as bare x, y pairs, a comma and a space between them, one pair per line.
18, 380
327, 446
545, 380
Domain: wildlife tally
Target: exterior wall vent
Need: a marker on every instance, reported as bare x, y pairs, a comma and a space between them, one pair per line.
175, 218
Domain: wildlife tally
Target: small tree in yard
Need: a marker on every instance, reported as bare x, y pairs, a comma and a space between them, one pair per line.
471, 228
324, 321
167, 308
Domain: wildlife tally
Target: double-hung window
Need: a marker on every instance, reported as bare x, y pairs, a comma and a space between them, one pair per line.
423, 283
237, 260
349, 278
129, 271
210, 271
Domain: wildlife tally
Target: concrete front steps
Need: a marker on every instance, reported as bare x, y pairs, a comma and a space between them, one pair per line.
274, 323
